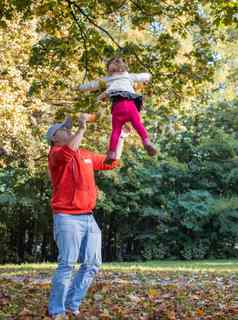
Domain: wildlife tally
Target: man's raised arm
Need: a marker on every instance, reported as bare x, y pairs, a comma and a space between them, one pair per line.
76, 139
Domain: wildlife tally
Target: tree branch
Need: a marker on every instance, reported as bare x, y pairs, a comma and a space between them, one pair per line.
94, 23
60, 102
154, 13
84, 38
107, 33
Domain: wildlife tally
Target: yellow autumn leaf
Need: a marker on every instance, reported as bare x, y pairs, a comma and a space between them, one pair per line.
199, 312
152, 293
44, 285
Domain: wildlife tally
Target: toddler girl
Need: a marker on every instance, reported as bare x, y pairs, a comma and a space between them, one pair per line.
126, 104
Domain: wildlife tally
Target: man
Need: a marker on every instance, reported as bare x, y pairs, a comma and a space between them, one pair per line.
76, 232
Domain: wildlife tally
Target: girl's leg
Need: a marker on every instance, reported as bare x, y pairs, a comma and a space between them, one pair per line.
117, 124
137, 123
139, 127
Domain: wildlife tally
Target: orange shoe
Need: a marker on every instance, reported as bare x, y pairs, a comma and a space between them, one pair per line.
150, 148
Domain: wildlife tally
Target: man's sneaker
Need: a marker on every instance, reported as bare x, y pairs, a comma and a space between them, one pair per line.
72, 315
150, 148
60, 317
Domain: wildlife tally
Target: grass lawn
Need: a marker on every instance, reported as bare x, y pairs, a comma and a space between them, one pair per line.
220, 266
163, 290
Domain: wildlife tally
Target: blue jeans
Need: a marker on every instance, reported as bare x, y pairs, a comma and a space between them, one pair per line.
78, 238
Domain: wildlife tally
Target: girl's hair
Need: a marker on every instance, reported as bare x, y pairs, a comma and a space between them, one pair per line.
118, 61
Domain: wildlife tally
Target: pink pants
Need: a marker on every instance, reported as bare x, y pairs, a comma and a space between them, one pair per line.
125, 111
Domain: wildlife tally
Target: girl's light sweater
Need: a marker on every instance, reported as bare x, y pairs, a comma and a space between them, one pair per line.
118, 82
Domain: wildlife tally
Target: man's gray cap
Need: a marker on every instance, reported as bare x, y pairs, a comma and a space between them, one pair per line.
67, 123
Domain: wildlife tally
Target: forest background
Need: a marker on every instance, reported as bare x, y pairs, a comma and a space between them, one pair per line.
181, 205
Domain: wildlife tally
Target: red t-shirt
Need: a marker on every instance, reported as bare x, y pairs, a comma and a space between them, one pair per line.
72, 178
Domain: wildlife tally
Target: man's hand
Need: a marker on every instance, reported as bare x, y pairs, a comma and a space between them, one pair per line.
102, 85
102, 97
76, 139
68, 123
82, 121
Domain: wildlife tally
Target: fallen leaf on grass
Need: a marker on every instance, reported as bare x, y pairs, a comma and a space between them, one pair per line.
165, 296
134, 298
25, 314
152, 292
199, 312
97, 297
4, 299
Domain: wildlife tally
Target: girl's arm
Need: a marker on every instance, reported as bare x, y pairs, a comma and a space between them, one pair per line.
140, 77
94, 85
90, 86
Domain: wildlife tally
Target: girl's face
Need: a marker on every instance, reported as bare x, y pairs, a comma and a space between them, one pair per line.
116, 65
